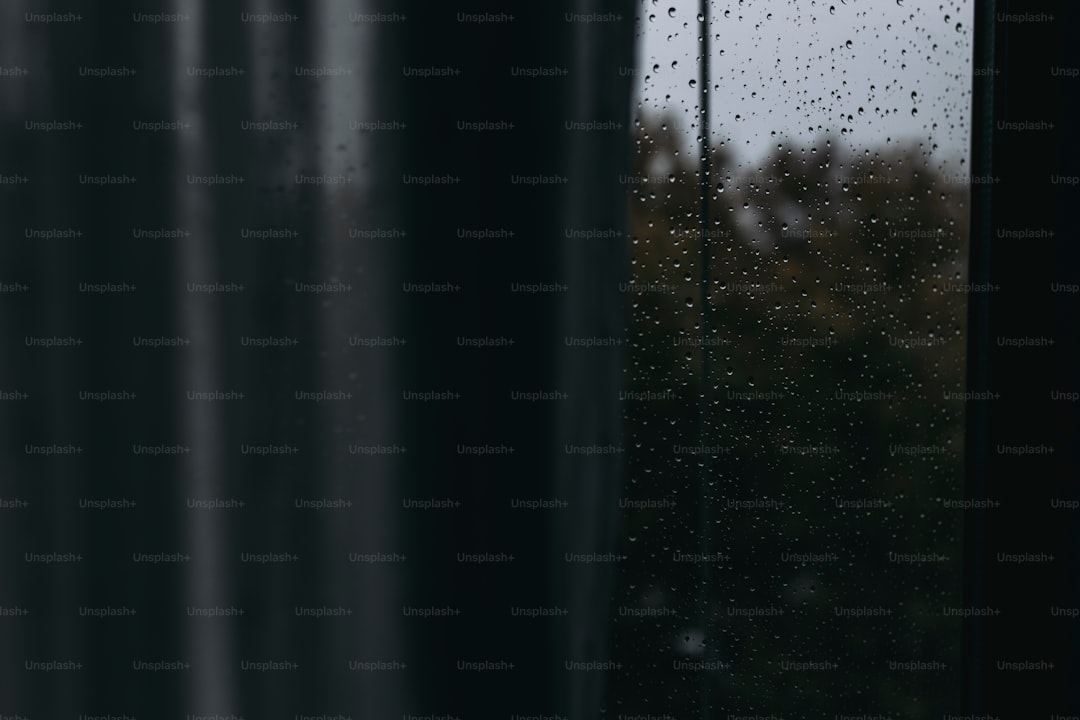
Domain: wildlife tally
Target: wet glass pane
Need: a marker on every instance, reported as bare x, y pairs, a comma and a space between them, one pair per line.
792, 520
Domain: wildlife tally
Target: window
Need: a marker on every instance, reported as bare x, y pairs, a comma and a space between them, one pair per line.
384, 359
794, 546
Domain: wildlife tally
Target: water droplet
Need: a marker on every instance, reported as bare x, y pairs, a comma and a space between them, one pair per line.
671, 12
693, 83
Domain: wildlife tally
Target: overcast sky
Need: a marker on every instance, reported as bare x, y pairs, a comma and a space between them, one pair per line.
864, 71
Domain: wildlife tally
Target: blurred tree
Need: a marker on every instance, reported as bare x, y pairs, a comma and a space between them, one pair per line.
834, 274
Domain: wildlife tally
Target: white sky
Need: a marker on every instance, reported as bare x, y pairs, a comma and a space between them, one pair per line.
786, 66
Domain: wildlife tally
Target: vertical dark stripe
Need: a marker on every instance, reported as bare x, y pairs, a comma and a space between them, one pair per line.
976, 443
1067, 316
705, 466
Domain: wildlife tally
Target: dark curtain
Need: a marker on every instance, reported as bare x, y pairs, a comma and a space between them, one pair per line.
1021, 555
268, 448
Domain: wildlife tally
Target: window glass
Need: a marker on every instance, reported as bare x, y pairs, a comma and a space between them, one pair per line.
792, 519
